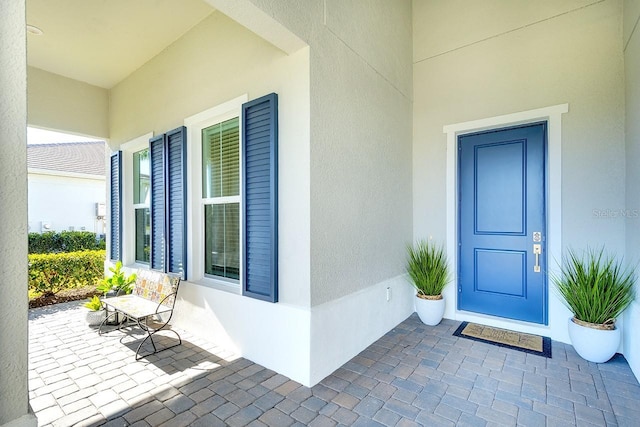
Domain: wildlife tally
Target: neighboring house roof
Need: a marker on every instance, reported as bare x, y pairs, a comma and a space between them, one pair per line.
75, 157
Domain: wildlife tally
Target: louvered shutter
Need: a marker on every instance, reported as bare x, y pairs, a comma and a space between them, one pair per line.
260, 198
115, 211
176, 201
157, 159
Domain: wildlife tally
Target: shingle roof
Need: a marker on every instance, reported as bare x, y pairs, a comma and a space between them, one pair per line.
78, 157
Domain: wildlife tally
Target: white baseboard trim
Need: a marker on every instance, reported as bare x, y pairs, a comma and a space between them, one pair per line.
304, 345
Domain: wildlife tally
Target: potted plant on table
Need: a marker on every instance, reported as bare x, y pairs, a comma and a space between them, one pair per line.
597, 289
429, 273
118, 283
96, 313
115, 285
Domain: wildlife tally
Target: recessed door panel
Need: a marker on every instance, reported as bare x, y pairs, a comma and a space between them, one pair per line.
501, 216
501, 272
500, 191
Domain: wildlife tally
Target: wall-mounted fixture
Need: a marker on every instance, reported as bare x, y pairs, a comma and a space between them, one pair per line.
32, 29
101, 210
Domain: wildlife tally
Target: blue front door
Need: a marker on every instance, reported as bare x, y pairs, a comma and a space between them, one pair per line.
502, 261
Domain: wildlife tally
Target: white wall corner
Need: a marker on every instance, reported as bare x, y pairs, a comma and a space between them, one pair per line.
342, 328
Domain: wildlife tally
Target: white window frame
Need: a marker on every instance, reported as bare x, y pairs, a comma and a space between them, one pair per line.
195, 202
128, 207
137, 206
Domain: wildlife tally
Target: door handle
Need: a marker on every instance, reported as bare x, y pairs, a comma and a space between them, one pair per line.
537, 250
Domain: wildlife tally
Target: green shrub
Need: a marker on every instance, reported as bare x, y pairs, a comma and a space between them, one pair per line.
50, 273
65, 241
43, 243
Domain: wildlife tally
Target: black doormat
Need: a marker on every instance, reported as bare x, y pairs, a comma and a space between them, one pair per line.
533, 344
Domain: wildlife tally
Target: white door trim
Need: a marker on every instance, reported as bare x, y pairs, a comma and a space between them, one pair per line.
553, 116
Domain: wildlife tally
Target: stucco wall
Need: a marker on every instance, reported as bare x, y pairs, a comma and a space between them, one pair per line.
65, 202
361, 89
360, 146
631, 42
216, 61
60, 103
360, 154
492, 58
14, 403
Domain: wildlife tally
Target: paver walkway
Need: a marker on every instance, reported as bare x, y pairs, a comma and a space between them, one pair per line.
414, 375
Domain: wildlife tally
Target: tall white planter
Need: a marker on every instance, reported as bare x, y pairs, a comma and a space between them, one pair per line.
430, 311
594, 345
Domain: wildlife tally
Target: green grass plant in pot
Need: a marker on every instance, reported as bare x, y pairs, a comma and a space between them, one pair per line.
597, 289
428, 270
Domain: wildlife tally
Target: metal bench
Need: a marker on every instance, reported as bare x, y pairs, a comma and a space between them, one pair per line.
149, 306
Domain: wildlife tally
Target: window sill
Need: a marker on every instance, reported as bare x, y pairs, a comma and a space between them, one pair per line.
137, 266
219, 285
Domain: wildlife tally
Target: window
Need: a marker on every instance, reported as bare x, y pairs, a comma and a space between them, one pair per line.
141, 183
221, 199
231, 239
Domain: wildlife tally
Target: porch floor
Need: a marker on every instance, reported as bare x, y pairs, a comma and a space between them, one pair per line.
414, 375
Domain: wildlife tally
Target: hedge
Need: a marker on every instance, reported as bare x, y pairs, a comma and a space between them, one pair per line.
50, 273
65, 241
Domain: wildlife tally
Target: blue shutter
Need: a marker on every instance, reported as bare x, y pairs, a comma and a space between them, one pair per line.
157, 158
176, 201
115, 247
260, 198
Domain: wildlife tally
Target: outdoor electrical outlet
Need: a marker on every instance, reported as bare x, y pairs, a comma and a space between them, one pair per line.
388, 294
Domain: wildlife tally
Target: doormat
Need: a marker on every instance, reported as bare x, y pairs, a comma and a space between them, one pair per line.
533, 344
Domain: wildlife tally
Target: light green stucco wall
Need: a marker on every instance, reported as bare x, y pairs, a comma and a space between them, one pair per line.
216, 61
59, 103
631, 40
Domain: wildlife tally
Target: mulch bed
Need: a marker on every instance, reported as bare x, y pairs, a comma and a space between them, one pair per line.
64, 296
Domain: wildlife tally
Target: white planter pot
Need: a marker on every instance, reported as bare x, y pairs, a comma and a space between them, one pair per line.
594, 345
430, 311
94, 318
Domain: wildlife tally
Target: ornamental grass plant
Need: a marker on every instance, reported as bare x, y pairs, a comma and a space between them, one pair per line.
594, 286
428, 268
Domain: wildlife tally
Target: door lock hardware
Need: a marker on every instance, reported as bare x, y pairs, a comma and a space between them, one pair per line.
537, 250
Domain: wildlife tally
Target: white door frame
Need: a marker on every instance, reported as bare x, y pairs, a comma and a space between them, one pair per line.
556, 311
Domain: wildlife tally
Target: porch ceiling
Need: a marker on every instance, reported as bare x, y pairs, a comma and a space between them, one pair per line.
101, 42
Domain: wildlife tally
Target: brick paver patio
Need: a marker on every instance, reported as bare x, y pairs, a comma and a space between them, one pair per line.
414, 375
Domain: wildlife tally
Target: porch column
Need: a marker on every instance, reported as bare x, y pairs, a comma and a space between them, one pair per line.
14, 404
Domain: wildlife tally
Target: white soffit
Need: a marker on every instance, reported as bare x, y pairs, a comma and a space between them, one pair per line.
101, 42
